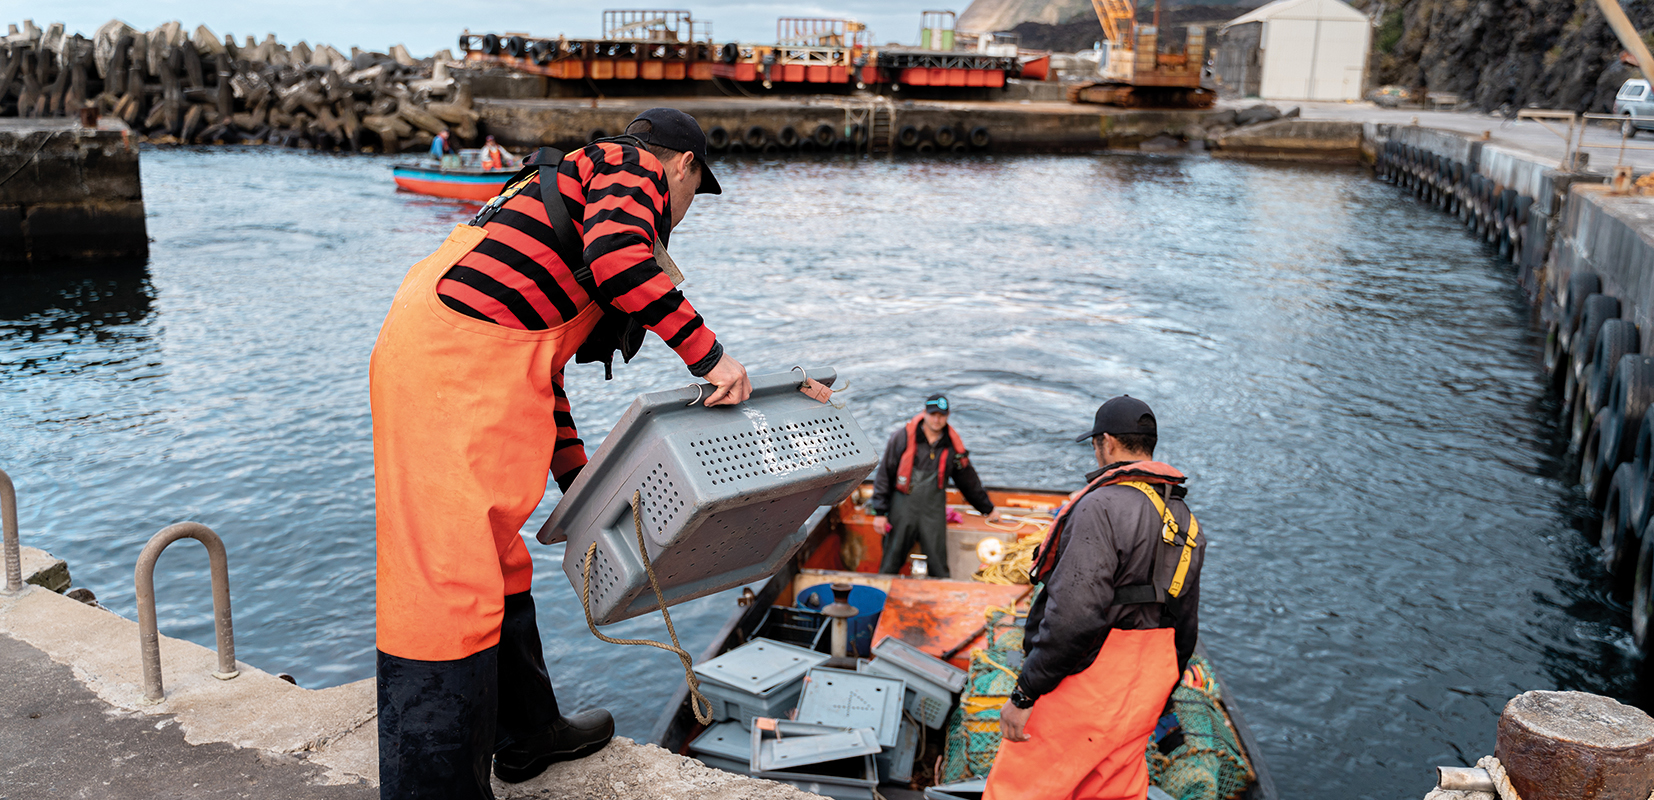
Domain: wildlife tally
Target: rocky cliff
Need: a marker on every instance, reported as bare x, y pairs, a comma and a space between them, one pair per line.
1503, 54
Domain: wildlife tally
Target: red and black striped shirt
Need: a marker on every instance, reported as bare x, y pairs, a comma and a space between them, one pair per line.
617, 197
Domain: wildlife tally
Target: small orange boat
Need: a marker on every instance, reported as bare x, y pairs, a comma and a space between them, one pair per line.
465, 180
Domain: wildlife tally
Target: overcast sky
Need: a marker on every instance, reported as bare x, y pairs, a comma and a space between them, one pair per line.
426, 26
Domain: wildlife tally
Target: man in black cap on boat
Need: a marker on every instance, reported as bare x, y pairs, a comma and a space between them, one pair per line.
918, 460
1113, 629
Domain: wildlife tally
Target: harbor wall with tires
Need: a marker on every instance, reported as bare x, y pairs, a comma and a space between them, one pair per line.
1584, 253
779, 125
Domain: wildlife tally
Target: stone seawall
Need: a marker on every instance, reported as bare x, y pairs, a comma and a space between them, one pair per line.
68, 192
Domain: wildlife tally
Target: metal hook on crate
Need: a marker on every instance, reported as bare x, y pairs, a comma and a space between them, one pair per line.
699, 390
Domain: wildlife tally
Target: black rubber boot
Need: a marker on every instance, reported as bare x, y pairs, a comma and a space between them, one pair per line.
569, 738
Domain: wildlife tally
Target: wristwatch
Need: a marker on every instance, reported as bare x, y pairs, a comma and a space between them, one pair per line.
1020, 699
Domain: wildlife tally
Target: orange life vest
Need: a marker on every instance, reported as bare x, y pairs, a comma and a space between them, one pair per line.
904, 472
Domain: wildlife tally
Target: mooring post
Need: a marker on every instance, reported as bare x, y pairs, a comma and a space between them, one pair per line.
149, 638
8, 521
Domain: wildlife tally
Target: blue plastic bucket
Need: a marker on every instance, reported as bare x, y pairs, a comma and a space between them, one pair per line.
869, 603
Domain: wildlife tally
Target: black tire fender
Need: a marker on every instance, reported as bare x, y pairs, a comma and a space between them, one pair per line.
1617, 338
1617, 534
491, 44
516, 47
755, 137
945, 137
1642, 594
717, 138
1572, 301
787, 137
1633, 392
1598, 309
908, 136
1592, 481
980, 138
825, 135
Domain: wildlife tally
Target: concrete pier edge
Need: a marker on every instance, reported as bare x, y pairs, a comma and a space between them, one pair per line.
333, 728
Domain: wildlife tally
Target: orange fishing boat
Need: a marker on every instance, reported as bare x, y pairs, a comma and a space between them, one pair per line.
971, 622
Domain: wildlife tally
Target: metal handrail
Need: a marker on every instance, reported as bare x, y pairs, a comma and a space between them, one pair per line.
1540, 115
1624, 144
149, 639
8, 521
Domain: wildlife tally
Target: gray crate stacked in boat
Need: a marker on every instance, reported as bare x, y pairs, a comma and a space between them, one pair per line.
845, 699
761, 678
724, 491
828, 760
931, 682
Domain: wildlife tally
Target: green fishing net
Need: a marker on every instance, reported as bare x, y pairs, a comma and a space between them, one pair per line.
1209, 764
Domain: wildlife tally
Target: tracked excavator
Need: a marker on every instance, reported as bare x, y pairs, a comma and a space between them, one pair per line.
1138, 69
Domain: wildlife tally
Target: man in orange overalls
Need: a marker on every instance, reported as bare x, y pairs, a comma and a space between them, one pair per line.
1112, 629
470, 419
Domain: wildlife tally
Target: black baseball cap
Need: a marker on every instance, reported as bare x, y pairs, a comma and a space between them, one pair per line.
936, 402
1121, 415
675, 130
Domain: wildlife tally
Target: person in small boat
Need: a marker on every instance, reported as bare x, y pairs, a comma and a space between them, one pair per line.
493, 155
1112, 630
470, 419
443, 150
910, 488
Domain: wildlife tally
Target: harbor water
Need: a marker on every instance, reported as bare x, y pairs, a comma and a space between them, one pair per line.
1349, 380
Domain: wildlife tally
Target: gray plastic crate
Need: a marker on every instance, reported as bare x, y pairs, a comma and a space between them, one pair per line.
853, 700
726, 745
742, 707
725, 491
854, 777
931, 682
896, 763
760, 667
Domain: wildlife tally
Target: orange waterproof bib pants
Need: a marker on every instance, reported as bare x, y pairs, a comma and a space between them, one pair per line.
463, 436
1089, 734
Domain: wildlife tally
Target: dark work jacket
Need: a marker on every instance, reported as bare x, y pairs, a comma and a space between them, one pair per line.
963, 477
1109, 541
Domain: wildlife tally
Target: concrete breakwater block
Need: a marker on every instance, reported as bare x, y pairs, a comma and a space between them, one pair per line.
1576, 746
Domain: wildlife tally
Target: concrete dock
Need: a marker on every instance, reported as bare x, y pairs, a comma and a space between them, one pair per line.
80, 728
69, 192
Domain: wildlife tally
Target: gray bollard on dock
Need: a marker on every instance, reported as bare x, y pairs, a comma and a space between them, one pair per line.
1576, 746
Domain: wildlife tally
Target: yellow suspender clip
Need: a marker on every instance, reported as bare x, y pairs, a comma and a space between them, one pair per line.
1169, 531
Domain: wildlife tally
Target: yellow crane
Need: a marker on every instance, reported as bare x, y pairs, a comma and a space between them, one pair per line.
1134, 71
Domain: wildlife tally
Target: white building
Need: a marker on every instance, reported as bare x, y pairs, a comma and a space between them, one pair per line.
1296, 50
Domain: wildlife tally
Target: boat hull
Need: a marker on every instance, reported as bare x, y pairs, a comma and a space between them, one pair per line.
452, 184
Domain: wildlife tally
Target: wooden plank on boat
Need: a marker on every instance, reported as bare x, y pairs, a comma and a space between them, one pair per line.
936, 616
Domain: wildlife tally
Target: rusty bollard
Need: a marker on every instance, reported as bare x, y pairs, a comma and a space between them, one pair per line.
1576, 746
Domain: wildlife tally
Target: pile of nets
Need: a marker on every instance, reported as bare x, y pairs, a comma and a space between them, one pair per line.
972, 738
1205, 761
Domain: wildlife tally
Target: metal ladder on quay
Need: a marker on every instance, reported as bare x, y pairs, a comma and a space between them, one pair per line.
881, 128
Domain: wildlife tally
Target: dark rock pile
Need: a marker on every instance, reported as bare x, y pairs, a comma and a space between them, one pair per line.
1503, 55
174, 88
